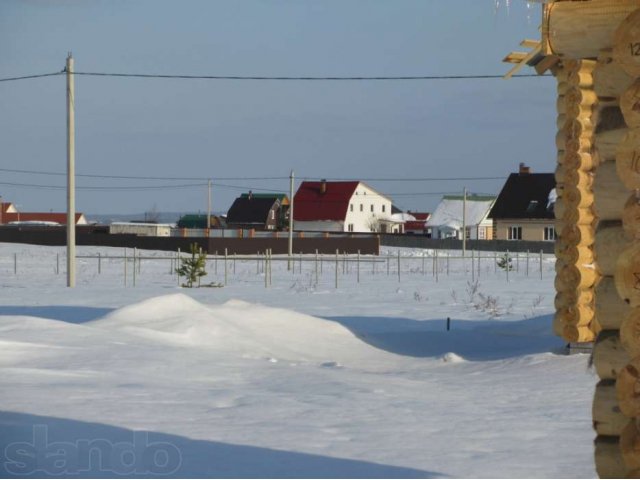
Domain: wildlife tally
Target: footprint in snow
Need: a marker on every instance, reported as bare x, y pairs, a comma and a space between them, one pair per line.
330, 365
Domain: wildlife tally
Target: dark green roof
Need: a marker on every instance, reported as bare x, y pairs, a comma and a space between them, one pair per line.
275, 196
471, 197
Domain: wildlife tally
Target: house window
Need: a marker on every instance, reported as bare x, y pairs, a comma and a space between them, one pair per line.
273, 214
481, 234
515, 233
361, 207
351, 207
372, 207
467, 233
550, 234
383, 208
350, 227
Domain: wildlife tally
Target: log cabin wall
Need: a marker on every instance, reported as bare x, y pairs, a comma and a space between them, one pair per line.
576, 274
598, 212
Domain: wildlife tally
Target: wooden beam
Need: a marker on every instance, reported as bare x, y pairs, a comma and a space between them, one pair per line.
528, 43
524, 61
515, 57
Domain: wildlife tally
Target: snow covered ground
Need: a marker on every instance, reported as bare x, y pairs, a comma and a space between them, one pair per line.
295, 380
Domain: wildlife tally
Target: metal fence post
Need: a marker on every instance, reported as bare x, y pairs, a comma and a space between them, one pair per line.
125, 267
337, 254
398, 265
508, 264
540, 264
15, 263
473, 265
135, 253
358, 267
226, 257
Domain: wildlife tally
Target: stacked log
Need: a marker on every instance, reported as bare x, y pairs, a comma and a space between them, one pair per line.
605, 34
576, 273
626, 55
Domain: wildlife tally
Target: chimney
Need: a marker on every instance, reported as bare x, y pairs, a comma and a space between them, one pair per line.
323, 186
250, 195
524, 170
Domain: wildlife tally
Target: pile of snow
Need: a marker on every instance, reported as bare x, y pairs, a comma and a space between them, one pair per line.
239, 328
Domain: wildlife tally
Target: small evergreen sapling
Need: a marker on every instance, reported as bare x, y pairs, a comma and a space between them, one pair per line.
193, 267
504, 262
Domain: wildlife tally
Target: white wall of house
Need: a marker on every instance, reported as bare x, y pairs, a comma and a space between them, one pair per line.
319, 226
141, 229
366, 207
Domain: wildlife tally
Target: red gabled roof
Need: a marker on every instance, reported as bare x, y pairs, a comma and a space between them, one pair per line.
414, 225
420, 215
60, 218
310, 204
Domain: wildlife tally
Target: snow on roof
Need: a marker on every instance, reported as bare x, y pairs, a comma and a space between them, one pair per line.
402, 217
449, 211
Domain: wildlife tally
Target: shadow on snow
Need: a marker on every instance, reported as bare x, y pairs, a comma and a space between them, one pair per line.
473, 340
64, 313
40, 446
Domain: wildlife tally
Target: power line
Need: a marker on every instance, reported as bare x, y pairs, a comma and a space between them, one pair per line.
134, 177
413, 179
338, 179
295, 78
274, 78
26, 77
102, 188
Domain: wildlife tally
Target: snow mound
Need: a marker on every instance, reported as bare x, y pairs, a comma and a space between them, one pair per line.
239, 328
451, 357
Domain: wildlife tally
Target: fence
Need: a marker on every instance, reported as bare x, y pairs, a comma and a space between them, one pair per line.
335, 270
417, 241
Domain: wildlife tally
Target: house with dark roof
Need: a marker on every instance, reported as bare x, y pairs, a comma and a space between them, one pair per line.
524, 208
342, 207
192, 220
262, 211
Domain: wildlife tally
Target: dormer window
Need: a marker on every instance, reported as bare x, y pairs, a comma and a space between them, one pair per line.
533, 204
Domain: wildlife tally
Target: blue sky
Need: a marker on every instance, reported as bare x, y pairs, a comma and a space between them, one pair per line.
220, 129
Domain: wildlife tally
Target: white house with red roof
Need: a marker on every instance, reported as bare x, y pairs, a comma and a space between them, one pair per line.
342, 207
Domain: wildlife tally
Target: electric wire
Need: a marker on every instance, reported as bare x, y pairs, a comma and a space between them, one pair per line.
275, 78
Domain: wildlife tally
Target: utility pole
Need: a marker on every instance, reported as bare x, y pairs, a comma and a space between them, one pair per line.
290, 249
209, 205
71, 173
464, 222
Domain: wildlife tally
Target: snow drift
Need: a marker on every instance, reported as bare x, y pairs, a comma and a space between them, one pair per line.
239, 328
